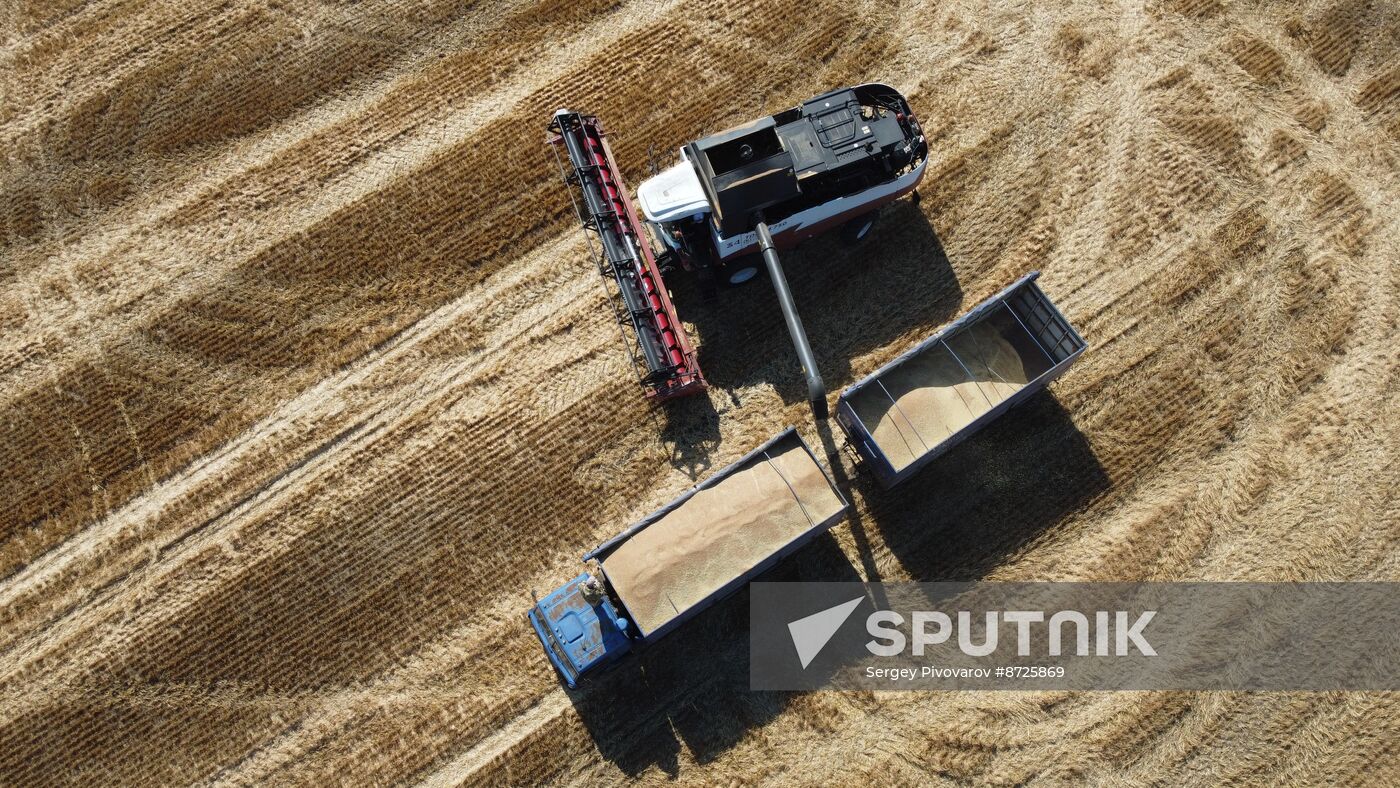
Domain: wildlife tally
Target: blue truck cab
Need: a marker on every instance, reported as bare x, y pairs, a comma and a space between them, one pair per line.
580, 628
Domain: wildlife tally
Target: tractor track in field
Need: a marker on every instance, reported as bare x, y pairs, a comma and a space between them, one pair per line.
306, 384
319, 411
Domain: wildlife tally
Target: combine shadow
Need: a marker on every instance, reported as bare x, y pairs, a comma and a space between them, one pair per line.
691, 688
690, 432
852, 300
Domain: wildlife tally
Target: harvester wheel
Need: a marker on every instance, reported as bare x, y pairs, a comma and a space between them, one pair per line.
741, 271
858, 229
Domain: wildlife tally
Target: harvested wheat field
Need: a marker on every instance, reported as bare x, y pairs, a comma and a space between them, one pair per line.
306, 382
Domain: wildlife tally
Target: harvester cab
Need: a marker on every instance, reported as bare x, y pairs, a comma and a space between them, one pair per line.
732, 201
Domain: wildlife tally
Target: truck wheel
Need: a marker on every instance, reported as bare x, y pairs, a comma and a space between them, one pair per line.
858, 229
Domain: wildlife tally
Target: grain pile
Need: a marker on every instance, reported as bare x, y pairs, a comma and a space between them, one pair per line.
692, 551
945, 386
305, 384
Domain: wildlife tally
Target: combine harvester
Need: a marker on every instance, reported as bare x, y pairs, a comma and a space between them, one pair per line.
733, 197
708, 543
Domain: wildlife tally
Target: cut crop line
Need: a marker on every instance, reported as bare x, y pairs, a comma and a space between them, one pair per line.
314, 407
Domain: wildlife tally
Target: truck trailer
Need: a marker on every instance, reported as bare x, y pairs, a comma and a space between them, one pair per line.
687, 555
949, 386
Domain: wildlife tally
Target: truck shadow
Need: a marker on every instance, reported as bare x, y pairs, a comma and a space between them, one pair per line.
691, 689
959, 519
990, 497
